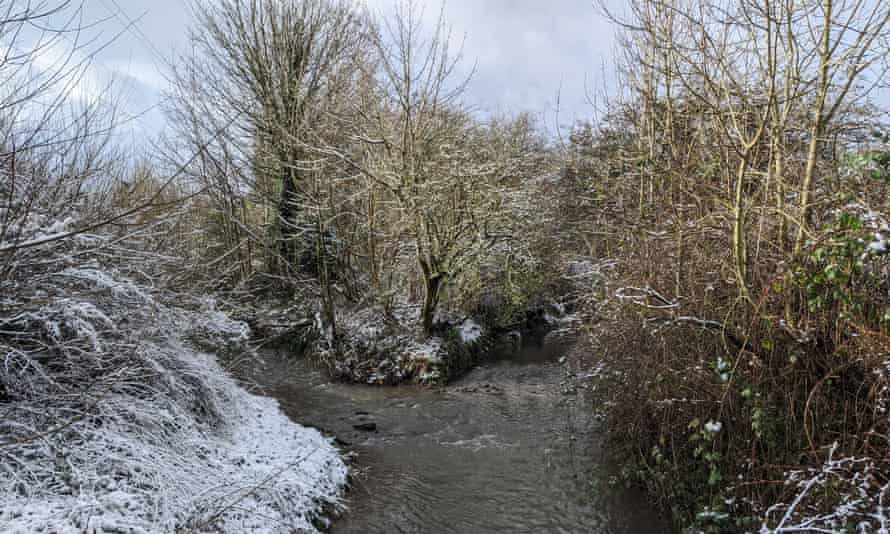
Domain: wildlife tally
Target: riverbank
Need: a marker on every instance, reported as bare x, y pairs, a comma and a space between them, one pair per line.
375, 351
376, 347
124, 421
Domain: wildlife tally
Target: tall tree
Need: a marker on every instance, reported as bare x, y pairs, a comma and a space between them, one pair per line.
270, 71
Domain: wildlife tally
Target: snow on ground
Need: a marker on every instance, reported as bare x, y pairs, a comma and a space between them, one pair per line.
470, 331
267, 475
116, 420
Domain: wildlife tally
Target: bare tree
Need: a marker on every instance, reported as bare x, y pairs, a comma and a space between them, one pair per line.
422, 148
275, 71
851, 45
269, 68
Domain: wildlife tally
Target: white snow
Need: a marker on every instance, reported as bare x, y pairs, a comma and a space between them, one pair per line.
855, 482
877, 225
212, 328
723, 369
120, 286
35, 228
268, 475
75, 317
120, 423
430, 350
880, 244
713, 426
470, 331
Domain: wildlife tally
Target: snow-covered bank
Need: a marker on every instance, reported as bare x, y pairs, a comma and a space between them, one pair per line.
117, 417
375, 349
265, 474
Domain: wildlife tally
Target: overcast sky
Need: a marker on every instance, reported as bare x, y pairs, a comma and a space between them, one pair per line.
525, 51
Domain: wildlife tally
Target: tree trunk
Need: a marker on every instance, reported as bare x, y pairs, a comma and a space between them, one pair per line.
825, 58
287, 213
739, 248
432, 285
372, 240
809, 172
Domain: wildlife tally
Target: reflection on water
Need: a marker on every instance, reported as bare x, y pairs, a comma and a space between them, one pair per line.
505, 449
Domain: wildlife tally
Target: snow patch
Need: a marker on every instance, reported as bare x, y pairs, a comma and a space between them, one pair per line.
713, 427
879, 245
469, 331
429, 350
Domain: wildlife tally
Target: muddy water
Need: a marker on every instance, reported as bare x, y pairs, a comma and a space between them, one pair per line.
510, 448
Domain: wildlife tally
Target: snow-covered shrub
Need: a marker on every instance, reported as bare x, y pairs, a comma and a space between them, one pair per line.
115, 420
112, 419
371, 349
380, 349
842, 495
214, 330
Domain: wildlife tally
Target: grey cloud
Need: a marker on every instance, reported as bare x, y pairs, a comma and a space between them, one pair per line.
524, 50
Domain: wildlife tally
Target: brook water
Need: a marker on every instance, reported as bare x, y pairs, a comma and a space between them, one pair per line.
509, 448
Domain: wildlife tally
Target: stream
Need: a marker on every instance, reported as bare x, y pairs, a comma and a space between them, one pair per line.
510, 447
